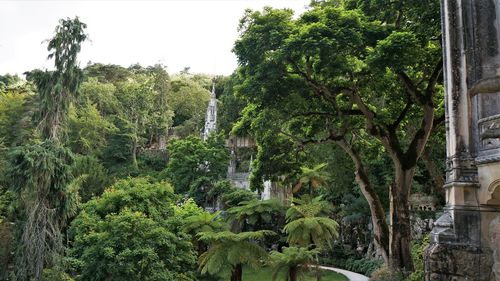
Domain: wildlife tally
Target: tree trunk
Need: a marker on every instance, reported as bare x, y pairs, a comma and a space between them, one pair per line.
134, 143
400, 232
292, 273
380, 227
237, 273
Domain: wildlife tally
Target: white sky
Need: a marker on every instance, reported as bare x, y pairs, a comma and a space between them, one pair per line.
199, 34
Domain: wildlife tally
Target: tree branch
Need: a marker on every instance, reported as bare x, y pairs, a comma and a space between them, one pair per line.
433, 79
411, 88
401, 116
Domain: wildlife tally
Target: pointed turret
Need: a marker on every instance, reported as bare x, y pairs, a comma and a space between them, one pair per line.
211, 117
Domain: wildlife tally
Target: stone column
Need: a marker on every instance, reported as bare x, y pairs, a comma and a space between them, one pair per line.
460, 241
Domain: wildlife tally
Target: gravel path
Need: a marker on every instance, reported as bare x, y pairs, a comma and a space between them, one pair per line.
352, 276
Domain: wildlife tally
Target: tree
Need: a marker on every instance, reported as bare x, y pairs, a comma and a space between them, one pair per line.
136, 98
339, 75
192, 159
313, 177
131, 246
232, 250
88, 130
129, 233
40, 173
294, 260
258, 214
94, 176
100, 94
16, 113
204, 222
188, 100
307, 224
162, 116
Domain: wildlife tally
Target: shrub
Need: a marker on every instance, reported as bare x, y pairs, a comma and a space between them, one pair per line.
417, 252
129, 234
363, 266
385, 274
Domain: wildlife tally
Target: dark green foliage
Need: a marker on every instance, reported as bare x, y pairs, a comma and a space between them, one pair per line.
417, 251
43, 170
258, 214
293, 260
191, 159
363, 266
128, 234
95, 176
231, 106
236, 196
41, 175
230, 250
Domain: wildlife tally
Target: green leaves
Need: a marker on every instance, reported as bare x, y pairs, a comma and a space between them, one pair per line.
228, 249
307, 223
191, 159
399, 51
129, 233
261, 214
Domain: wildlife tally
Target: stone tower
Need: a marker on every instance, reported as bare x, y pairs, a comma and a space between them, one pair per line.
465, 241
211, 117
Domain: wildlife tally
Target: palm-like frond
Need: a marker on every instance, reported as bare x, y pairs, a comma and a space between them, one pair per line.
307, 222
307, 206
315, 230
313, 177
291, 258
228, 249
204, 222
256, 211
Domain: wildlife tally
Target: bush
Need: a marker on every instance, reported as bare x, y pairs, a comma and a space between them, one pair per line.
129, 233
363, 266
417, 252
385, 274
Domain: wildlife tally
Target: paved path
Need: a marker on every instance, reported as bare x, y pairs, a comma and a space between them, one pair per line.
352, 276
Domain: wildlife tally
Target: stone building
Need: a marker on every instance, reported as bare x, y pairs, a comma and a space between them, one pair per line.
465, 240
242, 151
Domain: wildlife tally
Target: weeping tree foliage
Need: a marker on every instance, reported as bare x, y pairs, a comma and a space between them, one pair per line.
41, 172
57, 88
40, 175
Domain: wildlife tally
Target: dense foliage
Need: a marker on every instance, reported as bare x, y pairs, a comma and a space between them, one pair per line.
131, 224
104, 176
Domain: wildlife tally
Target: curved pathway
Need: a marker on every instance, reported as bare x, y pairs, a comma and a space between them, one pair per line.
352, 276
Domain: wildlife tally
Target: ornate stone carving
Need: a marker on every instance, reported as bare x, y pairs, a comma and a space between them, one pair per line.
489, 129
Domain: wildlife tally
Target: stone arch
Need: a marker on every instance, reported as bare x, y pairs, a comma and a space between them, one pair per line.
494, 193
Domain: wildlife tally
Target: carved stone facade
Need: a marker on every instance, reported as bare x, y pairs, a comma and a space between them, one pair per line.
465, 240
211, 117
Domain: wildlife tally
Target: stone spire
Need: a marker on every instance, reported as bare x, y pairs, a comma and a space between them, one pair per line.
211, 117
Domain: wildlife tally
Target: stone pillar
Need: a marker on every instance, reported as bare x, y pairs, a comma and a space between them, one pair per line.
461, 241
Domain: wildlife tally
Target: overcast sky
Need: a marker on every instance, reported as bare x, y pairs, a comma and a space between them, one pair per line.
197, 34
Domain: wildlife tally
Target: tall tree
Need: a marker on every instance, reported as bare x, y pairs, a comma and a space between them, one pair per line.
336, 74
192, 160
40, 172
136, 97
